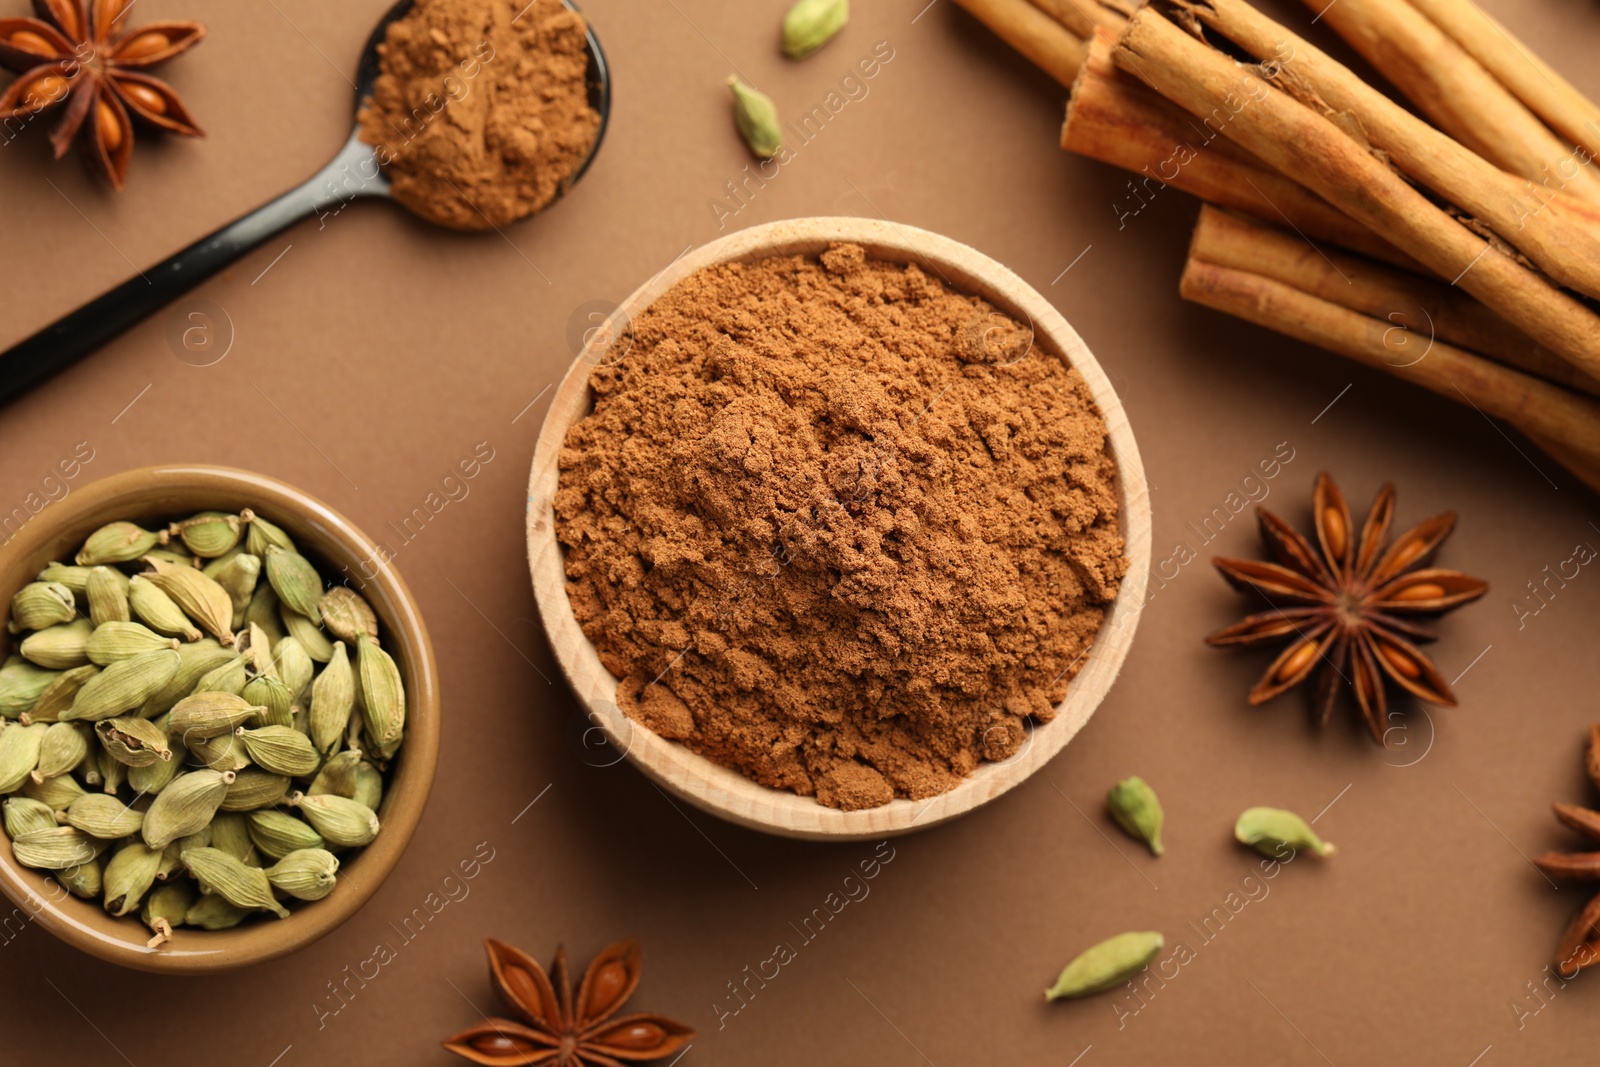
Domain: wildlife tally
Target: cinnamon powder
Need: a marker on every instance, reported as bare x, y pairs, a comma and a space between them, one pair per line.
481, 110
838, 527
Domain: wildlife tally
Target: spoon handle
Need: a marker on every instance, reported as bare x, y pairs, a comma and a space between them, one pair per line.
352, 173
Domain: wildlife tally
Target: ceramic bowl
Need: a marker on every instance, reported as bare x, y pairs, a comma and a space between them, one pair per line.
157, 494
724, 792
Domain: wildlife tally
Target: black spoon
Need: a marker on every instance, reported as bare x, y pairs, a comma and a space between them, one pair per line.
353, 173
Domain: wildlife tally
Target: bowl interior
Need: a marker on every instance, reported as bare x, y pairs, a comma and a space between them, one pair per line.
725, 792
338, 548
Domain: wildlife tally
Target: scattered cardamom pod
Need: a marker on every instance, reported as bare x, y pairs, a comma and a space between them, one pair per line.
41, 604
21, 685
185, 806
295, 580
1137, 809
255, 788
342, 822
158, 610
264, 534
113, 641
53, 850
1106, 965
211, 714
383, 696
60, 693
107, 594
63, 748
118, 542
19, 754
347, 615
281, 750
24, 815
233, 881
60, 647
333, 698
810, 24
305, 874
1275, 832
103, 817
277, 833
757, 118
133, 742
211, 533
123, 686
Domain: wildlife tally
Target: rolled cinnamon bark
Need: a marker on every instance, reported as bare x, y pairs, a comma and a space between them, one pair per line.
1563, 244
1292, 138
1456, 92
1041, 39
1534, 406
1404, 300
1082, 17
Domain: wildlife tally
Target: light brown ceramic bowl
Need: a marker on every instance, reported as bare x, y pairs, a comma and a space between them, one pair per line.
724, 792
332, 542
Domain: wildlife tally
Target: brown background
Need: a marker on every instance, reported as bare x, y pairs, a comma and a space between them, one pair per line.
377, 352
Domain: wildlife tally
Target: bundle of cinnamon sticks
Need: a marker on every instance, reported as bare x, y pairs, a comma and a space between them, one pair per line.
1461, 253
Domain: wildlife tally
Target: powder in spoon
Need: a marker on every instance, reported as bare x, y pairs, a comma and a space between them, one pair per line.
838, 527
481, 110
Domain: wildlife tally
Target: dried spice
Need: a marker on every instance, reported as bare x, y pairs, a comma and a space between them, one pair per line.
1275, 832
1106, 965
1355, 608
560, 1030
1579, 946
91, 63
838, 527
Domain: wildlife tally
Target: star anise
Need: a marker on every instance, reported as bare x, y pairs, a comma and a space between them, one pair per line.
86, 61
561, 1030
1355, 607
1580, 944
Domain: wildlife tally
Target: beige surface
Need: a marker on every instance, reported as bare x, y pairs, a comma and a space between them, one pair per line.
376, 353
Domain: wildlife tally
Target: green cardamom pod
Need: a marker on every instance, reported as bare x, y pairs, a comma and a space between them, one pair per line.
239, 576
264, 612
281, 750
296, 581
201, 598
73, 577
1275, 832
211, 533
53, 850
254, 647
303, 630
333, 698
342, 822
65, 745
123, 686
810, 24
42, 604
264, 534
211, 912
106, 818
151, 780
267, 691
113, 772
84, 880
165, 907
369, 786
24, 815
168, 554
295, 666
113, 641
338, 775
383, 696
56, 793
347, 615
229, 678
59, 647
158, 610
185, 806
107, 594
230, 833
1137, 809
196, 660
255, 788
757, 118
225, 752
305, 874
238, 884
118, 542
21, 685
19, 754
277, 833
60, 693
1106, 965
133, 742
129, 876
211, 714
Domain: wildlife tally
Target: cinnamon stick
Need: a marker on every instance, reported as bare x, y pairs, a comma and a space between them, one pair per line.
1532, 405
1112, 117
1046, 43
1082, 17
1429, 309
1456, 92
1566, 246
1295, 140
1537, 84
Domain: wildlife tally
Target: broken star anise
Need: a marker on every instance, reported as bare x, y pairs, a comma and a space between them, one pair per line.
562, 1030
83, 58
1354, 608
1580, 944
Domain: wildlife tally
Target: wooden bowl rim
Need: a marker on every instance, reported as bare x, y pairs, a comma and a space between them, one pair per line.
724, 792
173, 489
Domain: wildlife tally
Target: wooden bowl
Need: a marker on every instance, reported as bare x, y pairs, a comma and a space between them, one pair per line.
727, 793
334, 543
